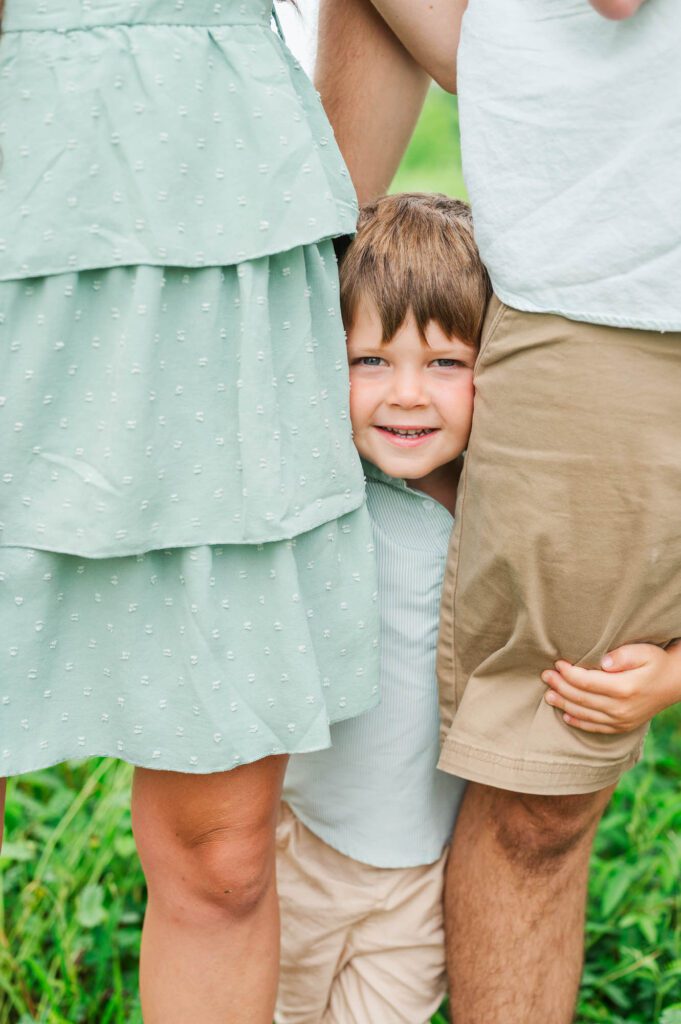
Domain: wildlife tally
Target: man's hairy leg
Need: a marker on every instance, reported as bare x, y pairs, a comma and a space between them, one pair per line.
515, 900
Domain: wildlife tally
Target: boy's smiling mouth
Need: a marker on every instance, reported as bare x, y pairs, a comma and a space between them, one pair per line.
406, 436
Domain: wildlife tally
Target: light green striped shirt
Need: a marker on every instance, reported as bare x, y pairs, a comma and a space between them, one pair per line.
376, 794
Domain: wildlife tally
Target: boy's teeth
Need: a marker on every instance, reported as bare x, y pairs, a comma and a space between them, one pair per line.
408, 433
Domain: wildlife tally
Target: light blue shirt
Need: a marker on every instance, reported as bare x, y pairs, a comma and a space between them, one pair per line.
571, 141
376, 794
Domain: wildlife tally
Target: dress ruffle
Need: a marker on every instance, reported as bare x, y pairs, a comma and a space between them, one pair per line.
92, 122
147, 407
194, 659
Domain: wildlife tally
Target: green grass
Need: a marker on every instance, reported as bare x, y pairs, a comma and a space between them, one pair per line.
72, 892
71, 898
633, 970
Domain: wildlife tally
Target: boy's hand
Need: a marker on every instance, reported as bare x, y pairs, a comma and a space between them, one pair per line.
633, 685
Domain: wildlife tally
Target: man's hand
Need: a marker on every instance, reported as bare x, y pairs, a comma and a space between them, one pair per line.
617, 10
634, 684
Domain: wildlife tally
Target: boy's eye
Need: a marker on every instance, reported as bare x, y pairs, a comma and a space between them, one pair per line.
447, 362
369, 361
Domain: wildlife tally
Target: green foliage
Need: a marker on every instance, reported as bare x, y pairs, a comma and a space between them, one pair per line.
633, 970
433, 161
71, 899
672, 1015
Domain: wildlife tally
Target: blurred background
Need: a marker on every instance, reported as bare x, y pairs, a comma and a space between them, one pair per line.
72, 892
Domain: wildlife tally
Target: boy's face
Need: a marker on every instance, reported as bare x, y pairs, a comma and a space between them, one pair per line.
411, 403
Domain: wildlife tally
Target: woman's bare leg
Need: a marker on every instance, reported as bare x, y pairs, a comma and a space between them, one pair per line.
210, 944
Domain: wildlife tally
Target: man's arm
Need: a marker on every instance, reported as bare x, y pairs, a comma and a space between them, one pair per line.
616, 9
429, 30
372, 88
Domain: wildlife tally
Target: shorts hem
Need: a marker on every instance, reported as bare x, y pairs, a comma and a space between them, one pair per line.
519, 775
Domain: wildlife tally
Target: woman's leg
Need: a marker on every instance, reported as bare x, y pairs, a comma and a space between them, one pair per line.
210, 945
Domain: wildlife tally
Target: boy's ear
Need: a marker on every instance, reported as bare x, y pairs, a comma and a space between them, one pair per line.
341, 245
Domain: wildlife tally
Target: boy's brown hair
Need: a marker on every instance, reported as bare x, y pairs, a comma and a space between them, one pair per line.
416, 251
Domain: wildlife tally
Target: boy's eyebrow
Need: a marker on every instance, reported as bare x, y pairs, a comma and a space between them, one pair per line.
365, 343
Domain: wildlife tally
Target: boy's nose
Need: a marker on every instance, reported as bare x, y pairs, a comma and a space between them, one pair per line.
407, 390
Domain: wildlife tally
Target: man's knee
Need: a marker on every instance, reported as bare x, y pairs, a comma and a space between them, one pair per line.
538, 833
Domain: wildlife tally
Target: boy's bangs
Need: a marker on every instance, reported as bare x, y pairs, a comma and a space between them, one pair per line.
417, 253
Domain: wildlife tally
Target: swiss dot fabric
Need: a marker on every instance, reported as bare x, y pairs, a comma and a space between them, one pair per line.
143, 407
172, 132
193, 659
186, 561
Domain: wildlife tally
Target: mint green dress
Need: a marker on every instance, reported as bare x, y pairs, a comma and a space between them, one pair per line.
186, 571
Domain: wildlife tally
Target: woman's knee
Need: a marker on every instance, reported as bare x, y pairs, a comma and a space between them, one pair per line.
232, 872
207, 848
221, 870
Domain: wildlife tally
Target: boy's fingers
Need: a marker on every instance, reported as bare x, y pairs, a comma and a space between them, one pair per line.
578, 723
627, 657
591, 680
590, 714
579, 697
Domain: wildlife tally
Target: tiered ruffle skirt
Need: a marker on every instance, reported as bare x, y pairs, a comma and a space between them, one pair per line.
186, 574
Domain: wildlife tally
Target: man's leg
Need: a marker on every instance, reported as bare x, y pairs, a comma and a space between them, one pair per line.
515, 899
549, 514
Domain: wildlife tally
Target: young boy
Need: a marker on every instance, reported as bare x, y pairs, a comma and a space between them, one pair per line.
365, 825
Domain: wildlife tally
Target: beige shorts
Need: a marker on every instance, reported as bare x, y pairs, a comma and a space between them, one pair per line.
359, 945
567, 543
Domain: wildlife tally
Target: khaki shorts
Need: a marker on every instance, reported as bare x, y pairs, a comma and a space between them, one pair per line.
360, 945
567, 542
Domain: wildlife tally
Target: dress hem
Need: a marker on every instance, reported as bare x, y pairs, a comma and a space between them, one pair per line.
52, 762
